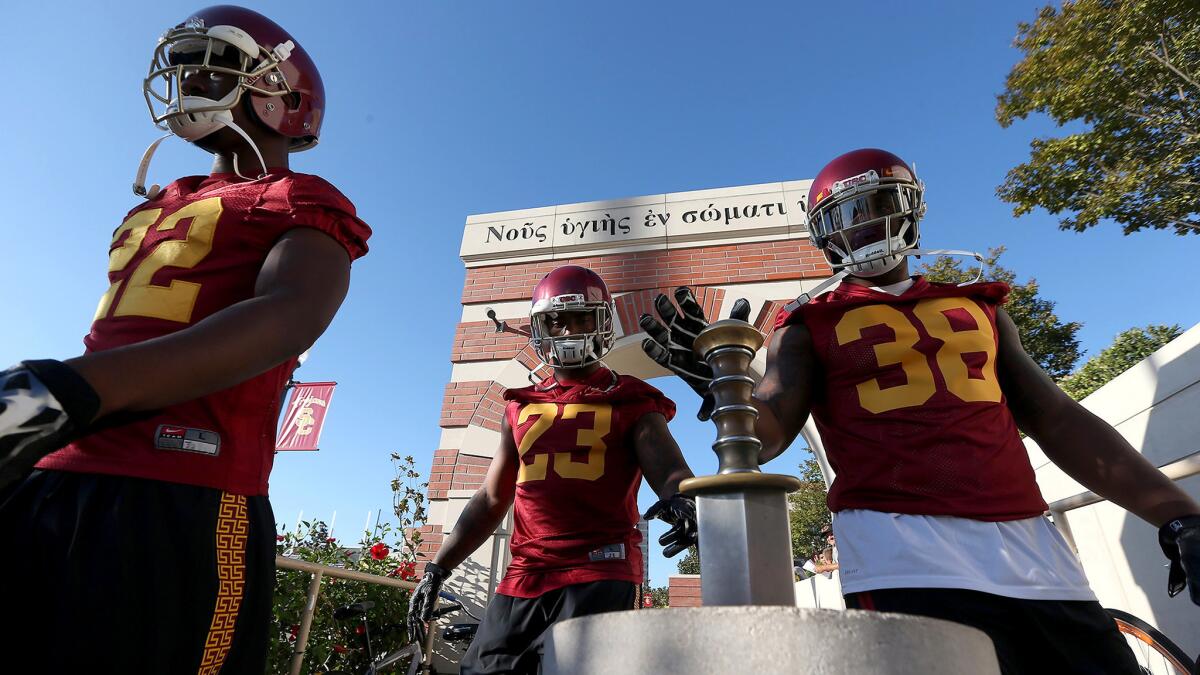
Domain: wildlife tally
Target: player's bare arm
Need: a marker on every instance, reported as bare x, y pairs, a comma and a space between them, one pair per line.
784, 395
302, 283
1081, 444
487, 506
478, 521
658, 454
664, 467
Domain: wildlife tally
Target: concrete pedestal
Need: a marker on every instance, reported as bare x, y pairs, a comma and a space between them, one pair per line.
764, 641
745, 550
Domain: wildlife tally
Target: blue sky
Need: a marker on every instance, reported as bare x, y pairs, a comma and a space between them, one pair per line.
440, 110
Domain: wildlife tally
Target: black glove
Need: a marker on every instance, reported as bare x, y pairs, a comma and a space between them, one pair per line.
1180, 542
671, 342
420, 607
43, 406
679, 511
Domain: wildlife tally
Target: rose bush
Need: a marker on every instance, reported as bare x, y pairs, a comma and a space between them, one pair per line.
388, 551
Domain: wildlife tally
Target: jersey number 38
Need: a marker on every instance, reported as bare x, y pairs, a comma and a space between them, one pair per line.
968, 383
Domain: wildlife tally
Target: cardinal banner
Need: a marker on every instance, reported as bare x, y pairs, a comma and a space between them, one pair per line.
305, 413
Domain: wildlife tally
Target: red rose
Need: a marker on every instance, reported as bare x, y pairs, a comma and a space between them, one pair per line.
330, 540
341, 649
380, 551
408, 571
279, 537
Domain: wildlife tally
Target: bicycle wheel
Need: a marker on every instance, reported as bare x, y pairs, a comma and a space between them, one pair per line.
1155, 653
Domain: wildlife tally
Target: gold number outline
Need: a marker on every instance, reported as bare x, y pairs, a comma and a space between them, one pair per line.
535, 470
564, 466
932, 314
920, 385
175, 301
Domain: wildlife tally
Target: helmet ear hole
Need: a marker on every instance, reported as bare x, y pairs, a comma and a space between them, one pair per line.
292, 101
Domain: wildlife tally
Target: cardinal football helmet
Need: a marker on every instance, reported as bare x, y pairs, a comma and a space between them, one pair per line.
284, 86
571, 289
863, 211
274, 76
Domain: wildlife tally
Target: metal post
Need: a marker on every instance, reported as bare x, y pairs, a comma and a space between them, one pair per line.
310, 605
430, 634
1064, 528
745, 553
745, 548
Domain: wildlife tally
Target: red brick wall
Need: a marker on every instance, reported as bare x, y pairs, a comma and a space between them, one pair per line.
460, 400
705, 266
442, 473
765, 322
431, 541
479, 341
491, 408
453, 470
631, 306
640, 276
683, 591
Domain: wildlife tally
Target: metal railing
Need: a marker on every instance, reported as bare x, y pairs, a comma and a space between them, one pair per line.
314, 588
1179, 469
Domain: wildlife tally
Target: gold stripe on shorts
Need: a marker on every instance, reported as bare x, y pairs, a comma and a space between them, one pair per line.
233, 527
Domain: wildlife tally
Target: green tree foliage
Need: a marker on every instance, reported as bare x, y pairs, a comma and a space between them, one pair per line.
660, 596
1127, 350
387, 551
1050, 342
1128, 73
807, 511
690, 562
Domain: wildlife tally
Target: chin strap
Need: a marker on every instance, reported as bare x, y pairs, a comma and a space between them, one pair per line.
826, 285
139, 181
836, 279
246, 137
953, 251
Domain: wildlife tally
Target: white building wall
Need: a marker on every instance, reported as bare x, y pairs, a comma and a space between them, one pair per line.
1156, 406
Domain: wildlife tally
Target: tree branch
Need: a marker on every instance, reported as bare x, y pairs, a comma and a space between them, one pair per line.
1186, 224
1170, 66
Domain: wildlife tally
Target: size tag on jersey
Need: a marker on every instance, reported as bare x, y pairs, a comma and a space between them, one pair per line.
609, 552
183, 439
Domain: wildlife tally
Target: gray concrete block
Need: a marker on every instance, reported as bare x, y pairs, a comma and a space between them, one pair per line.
764, 641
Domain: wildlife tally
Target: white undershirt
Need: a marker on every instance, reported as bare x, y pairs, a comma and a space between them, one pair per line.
897, 288
1017, 558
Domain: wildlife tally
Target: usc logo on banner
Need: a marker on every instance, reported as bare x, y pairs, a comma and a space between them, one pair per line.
306, 411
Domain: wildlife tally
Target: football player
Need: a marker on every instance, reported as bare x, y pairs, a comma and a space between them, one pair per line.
135, 475
920, 391
572, 453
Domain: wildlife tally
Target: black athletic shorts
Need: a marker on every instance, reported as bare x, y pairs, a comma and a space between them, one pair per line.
1031, 636
108, 574
510, 638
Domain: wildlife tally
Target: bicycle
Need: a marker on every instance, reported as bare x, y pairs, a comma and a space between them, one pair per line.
414, 658
1155, 653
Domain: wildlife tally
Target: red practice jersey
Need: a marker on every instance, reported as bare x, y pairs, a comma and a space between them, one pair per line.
575, 516
193, 251
909, 406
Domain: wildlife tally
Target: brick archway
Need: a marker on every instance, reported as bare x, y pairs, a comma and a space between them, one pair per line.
767, 259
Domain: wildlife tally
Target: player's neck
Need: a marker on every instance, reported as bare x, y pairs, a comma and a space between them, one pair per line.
575, 375
893, 276
274, 153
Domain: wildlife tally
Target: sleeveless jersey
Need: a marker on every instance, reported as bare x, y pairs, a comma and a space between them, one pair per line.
575, 514
908, 404
193, 251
